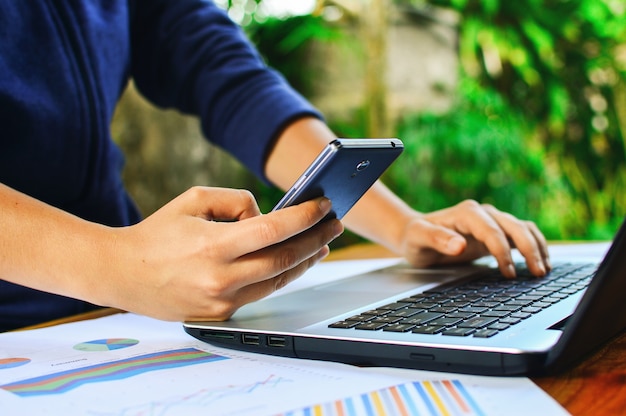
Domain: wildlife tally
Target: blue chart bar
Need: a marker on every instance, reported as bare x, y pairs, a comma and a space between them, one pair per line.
447, 397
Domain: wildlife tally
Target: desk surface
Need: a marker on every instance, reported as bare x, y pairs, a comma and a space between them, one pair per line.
597, 386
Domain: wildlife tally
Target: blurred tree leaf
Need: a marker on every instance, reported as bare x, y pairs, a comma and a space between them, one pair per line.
558, 63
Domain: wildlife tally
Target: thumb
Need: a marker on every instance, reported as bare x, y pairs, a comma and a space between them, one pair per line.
218, 203
436, 237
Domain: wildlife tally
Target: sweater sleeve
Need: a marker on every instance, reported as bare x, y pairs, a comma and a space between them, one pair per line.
188, 54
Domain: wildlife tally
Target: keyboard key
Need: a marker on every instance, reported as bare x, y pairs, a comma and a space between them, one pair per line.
424, 305
496, 314
509, 320
444, 321
361, 318
459, 332
485, 333
498, 326
520, 315
541, 292
428, 329
529, 297
477, 322
508, 308
386, 319
398, 328
516, 302
462, 315
471, 309
344, 324
485, 304
370, 326
405, 313
443, 309
421, 318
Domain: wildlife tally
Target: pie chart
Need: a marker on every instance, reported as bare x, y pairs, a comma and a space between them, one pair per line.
6, 363
107, 344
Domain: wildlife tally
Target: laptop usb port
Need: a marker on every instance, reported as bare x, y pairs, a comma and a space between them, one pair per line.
274, 341
250, 339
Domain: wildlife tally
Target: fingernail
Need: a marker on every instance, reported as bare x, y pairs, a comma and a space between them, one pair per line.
325, 204
510, 271
542, 269
338, 228
323, 253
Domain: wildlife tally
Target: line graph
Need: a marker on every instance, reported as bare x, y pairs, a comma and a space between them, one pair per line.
204, 400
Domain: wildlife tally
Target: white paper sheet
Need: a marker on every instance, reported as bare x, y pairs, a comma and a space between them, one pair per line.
131, 365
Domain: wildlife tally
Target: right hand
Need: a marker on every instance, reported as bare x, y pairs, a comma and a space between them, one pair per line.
181, 264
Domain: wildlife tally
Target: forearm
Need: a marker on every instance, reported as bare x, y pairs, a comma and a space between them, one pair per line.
460, 233
379, 216
48, 249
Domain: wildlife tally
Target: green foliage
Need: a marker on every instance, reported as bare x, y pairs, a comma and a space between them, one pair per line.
562, 65
539, 126
476, 151
284, 44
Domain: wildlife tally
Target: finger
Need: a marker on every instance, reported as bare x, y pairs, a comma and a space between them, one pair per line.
523, 238
266, 287
260, 232
218, 203
273, 260
434, 244
478, 223
543, 244
429, 243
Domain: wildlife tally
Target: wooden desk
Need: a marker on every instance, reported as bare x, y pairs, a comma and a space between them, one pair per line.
596, 386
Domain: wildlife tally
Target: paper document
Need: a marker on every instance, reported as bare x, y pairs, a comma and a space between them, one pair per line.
131, 365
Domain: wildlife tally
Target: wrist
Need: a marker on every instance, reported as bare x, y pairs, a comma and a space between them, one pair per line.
382, 217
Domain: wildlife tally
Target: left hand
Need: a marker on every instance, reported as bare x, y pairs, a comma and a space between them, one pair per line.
470, 230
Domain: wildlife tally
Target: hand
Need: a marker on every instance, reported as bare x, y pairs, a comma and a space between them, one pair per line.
470, 230
181, 263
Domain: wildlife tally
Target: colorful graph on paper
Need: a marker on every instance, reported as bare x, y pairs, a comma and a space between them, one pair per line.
62, 382
106, 344
206, 400
6, 363
447, 397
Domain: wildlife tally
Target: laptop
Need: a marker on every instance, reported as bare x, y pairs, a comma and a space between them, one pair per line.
465, 319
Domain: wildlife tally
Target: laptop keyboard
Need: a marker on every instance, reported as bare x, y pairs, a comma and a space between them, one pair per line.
482, 307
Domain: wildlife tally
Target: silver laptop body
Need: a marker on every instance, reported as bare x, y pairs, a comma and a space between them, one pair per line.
319, 322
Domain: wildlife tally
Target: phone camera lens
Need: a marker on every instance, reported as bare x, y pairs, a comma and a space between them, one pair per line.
362, 165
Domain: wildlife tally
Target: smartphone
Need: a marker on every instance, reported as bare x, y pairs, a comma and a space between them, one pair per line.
343, 172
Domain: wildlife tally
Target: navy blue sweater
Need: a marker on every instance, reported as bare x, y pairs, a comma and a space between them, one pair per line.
63, 66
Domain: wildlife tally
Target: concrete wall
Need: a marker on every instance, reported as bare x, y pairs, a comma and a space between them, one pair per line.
421, 72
